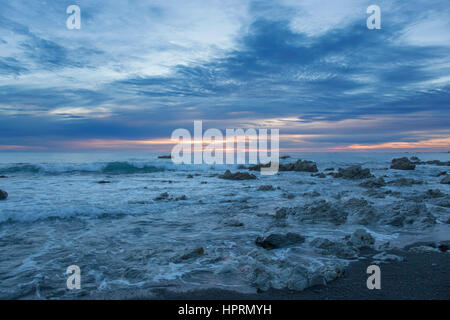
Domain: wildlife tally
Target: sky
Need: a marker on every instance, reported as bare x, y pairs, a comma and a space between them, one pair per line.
137, 70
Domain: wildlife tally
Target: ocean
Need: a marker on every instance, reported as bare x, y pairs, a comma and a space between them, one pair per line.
153, 225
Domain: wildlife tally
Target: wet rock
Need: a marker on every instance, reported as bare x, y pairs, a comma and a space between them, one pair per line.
442, 173
319, 175
3, 177
329, 169
433, 194
237, 176
338, 249
446, 180
204, 182
414, 159
311, 194
353, 172
283, 212
193, 254
162, 196
385, 257
373, 183
268, 187
401, 214
3, 195
300, 165
103, 181
232, 223
289, 196
322, 211
284, 157
165, 157
361, 239
182, 198
404, 182
190, 176
437, 163
402, 164
360, 211
423, 249
276, 240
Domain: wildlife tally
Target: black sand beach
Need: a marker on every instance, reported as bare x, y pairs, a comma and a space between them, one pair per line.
423, 276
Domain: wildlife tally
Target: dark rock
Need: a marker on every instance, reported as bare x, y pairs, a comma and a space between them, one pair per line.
193, 254
446, 180
361, 238
322, 211
437, 163
374, 183
182, 198
433, 193
275, 240
103, 181
319, 175
237, 176
402, 164
165, 157
162, 196
443, 173
404, 182
268, 187
284, 157
414, 159
3, 195
300, 165
329, 169
190, 176
3, 177
353, 172
338, 249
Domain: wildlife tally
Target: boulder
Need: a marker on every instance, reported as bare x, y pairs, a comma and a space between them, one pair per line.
268, 187
276, 240
237, 176
402, 164
353, 172
373, 183
338, 249
300, 165
3, 195
361, 238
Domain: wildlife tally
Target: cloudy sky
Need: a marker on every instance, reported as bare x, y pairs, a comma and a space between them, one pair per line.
137, 70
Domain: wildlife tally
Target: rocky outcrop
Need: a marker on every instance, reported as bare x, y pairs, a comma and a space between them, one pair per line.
322, 211
268, 187
446, 180
275, 240
3, 195
237, 176
402, 214
338, 249
402, 164
299, 165
361, 239
353, 172
404, 182
373, 183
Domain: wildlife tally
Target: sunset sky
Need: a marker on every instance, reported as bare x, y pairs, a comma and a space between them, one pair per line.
137, 70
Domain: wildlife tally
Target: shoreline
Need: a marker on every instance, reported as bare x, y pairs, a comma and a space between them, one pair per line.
420, 276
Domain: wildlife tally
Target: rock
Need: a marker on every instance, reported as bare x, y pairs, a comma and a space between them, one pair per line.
3, 177
237, 176
284, 157
361, 238
338, 249
300, 165
404, 182
353, 172
384, 257
193, 254
103, 181
360, 211
268, 187
182, 198
437, 163
415, 159
423, 249
289, 196
165, 157
190, 176
442, 173
3, 195
433, 194
374, 183
400, 214
402, 164
322, 211
329, 169
275, 240
162, 196
232, 223
319, 175
446, 180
